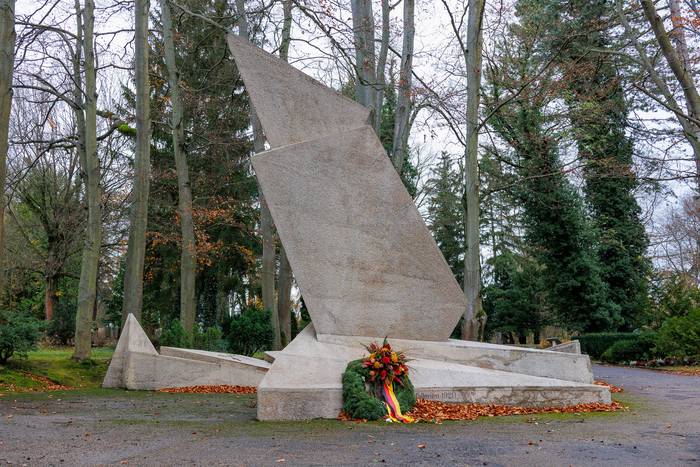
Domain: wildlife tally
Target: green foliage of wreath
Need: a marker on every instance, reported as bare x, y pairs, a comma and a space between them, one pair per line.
358, 403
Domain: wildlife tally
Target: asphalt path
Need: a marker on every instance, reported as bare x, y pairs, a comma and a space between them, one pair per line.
661, 427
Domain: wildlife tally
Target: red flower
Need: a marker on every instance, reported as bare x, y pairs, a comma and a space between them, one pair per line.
386, 360
383, 374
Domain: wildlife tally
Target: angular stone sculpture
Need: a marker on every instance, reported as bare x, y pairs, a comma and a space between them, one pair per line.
366, 264
137, 365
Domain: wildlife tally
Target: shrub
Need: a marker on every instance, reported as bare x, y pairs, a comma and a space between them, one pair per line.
61, 328
250, 332
211, 339
594, 344
679, 336
175, 336
639, 347
19, 333
358, 403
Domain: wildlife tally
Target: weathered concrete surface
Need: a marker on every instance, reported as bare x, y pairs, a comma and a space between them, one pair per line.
534, 362
364, 260
137, 365
567, 347
132, 339
305, 379
292, 106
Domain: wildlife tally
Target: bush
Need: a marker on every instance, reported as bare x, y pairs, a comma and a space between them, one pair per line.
19, 334
250, 332
594, 344
175, 336
358, 403
639, 347
211, 339
680, 336
61, 328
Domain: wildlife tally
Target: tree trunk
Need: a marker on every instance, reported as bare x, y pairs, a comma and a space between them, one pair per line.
381, 67
403, 101
284, 280
363, 29
49, 297
7, 58
87, 288
188, 257
266, 226
136, 249
472, 271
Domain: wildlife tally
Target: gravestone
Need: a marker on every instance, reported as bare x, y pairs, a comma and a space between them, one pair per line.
367, 265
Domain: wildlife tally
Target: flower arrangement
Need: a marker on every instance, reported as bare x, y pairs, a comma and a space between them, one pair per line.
384, 364
369, 391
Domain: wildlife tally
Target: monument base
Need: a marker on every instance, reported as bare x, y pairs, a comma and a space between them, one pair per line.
304, 382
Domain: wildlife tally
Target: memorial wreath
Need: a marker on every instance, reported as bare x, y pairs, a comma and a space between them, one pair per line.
378, 386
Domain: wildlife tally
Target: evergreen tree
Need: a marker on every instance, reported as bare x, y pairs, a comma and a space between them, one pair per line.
445, 214
598, 114
556, 230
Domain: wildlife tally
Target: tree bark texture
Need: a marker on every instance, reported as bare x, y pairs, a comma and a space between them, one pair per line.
7, 58
136, 249
472, 267
365, 61
188, 256
87, 288
404, 98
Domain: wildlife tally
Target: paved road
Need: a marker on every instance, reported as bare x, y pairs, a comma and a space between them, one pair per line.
662, 427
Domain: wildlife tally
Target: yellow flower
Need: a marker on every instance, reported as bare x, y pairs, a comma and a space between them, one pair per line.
394, 357
377, 364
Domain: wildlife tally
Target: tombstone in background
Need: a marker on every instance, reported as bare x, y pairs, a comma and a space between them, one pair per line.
367, 265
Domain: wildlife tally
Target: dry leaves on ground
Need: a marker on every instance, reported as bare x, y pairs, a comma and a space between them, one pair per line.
45, 384
219, 389
436, 411
613, 389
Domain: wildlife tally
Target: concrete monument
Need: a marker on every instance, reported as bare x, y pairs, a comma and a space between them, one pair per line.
367, 265
136, 364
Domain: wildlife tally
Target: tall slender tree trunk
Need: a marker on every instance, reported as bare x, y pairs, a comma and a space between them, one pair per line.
188, 258
365, 61
87, 288
472, 268
381, 66
49, 297
266, 225
136, 249
284, 284
404, 98
7, 59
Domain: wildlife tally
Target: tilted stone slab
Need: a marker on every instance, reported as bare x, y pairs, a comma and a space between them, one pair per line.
136, 364
364, 259
292, 106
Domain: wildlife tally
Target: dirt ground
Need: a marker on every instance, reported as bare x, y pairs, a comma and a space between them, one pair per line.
661, 427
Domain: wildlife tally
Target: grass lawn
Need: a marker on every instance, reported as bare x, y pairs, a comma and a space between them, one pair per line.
56, 364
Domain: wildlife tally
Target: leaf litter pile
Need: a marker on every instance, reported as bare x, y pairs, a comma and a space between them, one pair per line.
613, 389
219, 389
437, 412
44, 384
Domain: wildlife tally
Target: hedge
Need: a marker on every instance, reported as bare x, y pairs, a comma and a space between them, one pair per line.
595, 344
640, 347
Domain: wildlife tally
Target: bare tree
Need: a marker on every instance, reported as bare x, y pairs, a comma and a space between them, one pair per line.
7, 59
188, 258
136, 250
87, 289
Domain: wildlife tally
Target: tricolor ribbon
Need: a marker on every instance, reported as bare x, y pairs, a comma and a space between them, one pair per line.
392, 404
